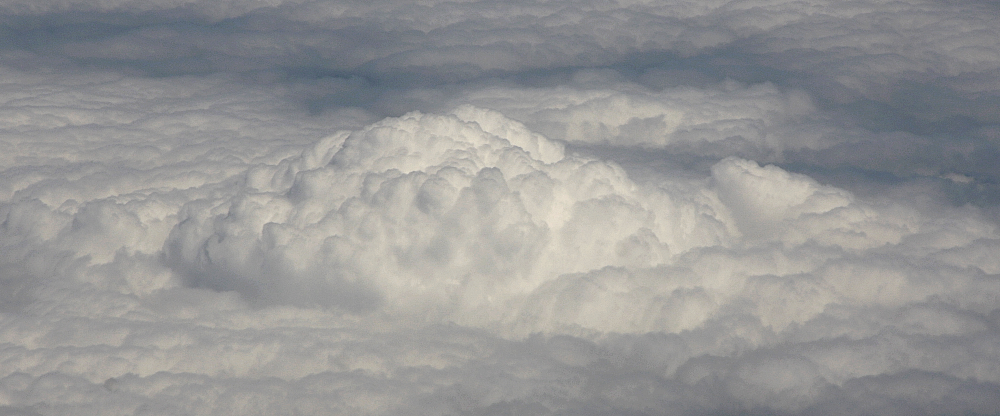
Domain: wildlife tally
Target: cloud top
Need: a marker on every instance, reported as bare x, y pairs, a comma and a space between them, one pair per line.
440, 207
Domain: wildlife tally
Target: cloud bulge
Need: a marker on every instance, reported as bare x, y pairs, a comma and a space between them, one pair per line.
478, 208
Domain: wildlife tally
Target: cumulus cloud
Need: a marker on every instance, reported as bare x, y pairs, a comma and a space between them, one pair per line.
471, 207
561, 207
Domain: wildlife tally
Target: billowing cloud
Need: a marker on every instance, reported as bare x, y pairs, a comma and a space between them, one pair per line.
564, 207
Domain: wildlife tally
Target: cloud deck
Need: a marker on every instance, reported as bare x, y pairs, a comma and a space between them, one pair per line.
477, 208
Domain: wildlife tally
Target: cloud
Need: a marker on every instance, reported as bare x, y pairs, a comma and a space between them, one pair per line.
534, 256
491, 208
601, 109
466, 214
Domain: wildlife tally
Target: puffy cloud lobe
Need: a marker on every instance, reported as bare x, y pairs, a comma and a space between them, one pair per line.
765, 199
431, 214
467, 211
95, 175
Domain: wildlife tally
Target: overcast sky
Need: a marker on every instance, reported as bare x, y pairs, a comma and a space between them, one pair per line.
566, 207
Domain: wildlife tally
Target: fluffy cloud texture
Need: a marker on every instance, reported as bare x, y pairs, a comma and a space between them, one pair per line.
237, 208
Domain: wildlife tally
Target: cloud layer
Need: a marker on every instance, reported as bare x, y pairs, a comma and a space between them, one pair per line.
562, 207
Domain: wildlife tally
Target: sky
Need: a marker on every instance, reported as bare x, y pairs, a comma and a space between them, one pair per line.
565, 207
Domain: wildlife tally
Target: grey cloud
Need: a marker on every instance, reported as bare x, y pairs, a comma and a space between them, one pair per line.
924, 67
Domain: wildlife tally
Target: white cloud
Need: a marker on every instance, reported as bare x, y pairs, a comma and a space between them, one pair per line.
578, 208
473, 219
